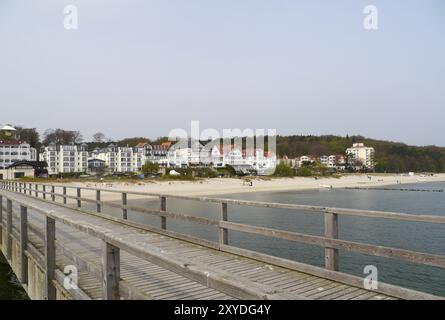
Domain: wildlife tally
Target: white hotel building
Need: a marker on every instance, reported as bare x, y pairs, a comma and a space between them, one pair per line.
12, 149
360, 153
65, 158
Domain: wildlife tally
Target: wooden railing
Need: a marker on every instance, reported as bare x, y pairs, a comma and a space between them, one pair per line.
330, 241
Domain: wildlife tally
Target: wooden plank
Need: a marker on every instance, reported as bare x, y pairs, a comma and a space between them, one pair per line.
323, 289
339, 294
329, 291
23, 244
351, 294
50, 258
366, 296
110, 271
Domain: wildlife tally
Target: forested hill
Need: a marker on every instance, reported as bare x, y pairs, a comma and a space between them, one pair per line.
389, 156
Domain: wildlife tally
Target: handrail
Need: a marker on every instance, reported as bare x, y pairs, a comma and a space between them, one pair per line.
319, 209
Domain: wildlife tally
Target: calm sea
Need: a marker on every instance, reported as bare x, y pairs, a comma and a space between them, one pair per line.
423, 237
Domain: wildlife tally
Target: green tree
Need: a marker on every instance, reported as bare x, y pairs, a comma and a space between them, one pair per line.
283, 170
150, 168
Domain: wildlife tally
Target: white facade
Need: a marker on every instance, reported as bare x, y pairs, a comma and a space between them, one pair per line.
360, 153
14, 150
65, 158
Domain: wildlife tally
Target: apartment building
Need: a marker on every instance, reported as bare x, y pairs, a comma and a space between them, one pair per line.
65, 158
12, 151
360, 155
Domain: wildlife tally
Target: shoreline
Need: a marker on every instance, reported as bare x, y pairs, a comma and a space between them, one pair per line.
222, 186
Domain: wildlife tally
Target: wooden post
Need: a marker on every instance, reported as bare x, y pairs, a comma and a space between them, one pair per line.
43, 191
79, 202
23, 244
53, 195
30, 189
124, 206
64, 195
8, 229
37, 191
50, 258
98, 207
110, 271
163, 208
223, 232
331, 231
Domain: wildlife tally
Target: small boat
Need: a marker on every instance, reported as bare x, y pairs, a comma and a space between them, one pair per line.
327, 186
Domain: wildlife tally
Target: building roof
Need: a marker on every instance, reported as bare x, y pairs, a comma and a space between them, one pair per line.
8, 127
141, 144
95, 159
34, 164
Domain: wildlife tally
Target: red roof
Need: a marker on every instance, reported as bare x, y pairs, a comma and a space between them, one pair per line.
167, 144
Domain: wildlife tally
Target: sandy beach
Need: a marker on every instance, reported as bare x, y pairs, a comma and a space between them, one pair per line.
221, 186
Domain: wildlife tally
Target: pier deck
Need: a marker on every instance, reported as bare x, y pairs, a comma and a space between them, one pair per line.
117, 259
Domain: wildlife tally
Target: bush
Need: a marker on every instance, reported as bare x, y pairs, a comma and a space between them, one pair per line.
304, 172
150, 168
283, 170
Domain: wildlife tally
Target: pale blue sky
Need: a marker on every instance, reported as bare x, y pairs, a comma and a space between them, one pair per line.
144, 67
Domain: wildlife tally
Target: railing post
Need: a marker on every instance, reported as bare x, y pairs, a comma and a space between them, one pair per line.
23, 244
8, 229
44, 191
53, 195
79, 202
124, 206
64, 195
50, 258
223, 232
37, 190
331, 231
98, 206
163, 208
110, 271
30, 189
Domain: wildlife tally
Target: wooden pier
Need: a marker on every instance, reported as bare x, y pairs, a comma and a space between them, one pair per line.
47, 232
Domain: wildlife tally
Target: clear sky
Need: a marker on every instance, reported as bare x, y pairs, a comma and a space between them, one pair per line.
144, 67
